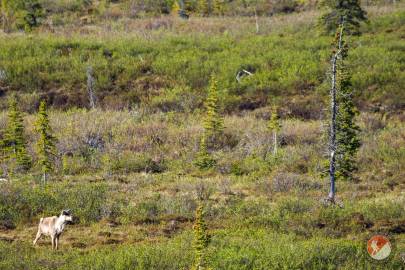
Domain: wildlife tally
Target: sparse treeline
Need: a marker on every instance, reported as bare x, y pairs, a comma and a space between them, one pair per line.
15, 157
26, 14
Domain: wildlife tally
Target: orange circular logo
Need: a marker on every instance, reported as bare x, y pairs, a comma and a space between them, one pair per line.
379, 247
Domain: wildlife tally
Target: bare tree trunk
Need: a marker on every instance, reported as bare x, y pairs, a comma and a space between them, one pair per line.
90, 87
275, 142
332, 139
257, 22
44, 178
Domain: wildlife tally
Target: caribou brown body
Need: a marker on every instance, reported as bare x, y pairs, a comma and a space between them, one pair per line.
53, 227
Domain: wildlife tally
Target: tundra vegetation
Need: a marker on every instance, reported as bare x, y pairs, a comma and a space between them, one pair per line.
166, 152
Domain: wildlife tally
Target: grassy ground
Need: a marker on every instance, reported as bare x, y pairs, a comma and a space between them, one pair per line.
128, 175
266, 214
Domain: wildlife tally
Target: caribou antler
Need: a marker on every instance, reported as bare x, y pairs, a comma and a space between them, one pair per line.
242, 73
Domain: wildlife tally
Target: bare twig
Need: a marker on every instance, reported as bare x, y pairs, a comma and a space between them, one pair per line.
257, 22
90, 87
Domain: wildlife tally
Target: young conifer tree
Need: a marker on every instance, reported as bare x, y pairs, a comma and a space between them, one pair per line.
14, 144
274, 126
213, 123
46, 142
213, 127
175, 8
347, 131
203, 7
218, 7
201, 239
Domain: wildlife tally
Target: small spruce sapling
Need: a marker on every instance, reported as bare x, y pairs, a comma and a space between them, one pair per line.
175, 8
213, 128
201, 240
203, 7
218, 7
275, 127
213, 122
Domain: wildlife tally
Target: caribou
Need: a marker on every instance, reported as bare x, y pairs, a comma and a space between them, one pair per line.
53, 227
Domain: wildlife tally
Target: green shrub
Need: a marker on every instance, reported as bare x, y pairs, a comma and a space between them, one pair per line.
127, 162
74, 165
24, 203
261, 249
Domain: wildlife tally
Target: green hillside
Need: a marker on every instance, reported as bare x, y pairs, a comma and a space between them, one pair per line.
168, 70
127, 168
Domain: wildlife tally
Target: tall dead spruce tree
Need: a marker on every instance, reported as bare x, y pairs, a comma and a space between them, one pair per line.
332, 135
344, 141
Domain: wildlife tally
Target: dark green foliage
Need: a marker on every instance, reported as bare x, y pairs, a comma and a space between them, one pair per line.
33, 12
347, 131
20, 14
46, 143
14, 144
201, 239
348, 10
